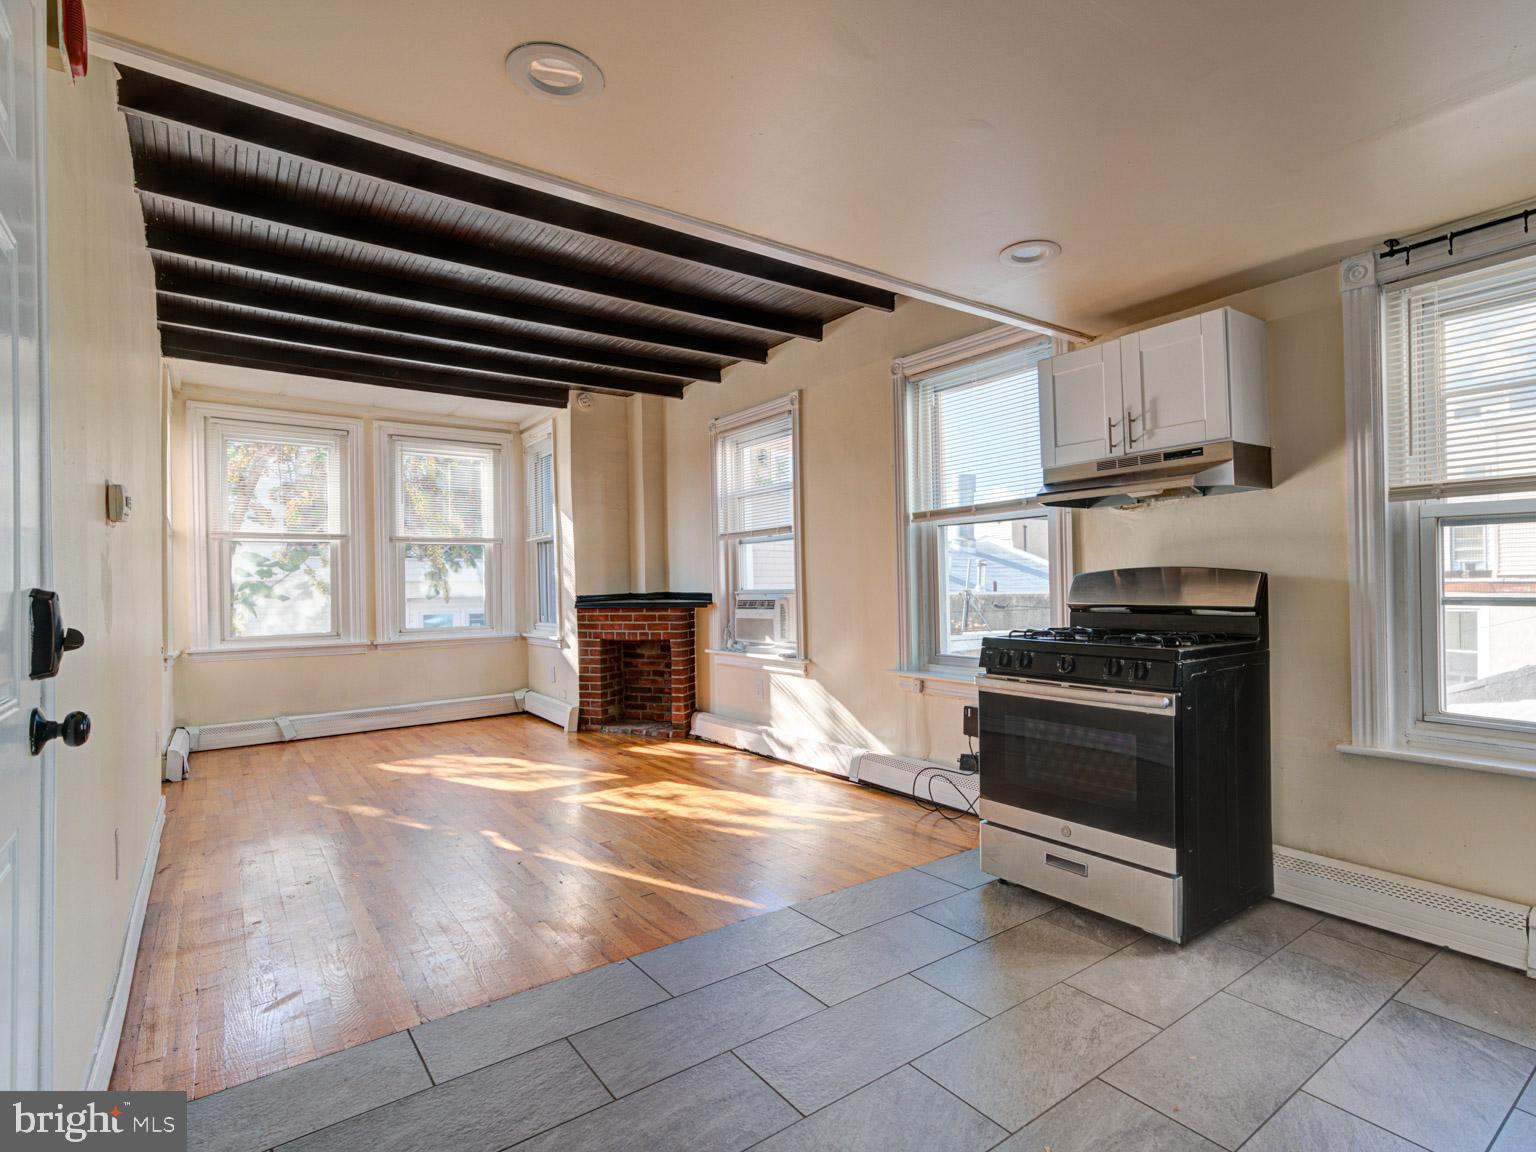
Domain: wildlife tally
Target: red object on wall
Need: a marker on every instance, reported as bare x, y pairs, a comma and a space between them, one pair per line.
76, 42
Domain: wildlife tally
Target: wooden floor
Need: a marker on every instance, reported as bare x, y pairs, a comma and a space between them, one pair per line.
316, 895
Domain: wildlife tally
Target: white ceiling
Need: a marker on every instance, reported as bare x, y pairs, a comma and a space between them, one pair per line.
1177, 149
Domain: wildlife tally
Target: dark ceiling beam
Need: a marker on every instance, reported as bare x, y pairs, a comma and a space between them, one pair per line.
180, 314
174, 242
155, 98
185, 345
195, 190
192, 286
204, 357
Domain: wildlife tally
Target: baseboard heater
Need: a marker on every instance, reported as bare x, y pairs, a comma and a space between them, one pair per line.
899, 774
277, 729
1497, 930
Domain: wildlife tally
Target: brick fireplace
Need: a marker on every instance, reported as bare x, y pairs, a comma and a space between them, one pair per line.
637, 661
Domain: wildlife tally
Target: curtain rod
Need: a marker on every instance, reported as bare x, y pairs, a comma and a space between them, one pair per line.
1398, 248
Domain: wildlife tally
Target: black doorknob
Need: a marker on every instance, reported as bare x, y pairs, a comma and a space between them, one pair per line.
74, 728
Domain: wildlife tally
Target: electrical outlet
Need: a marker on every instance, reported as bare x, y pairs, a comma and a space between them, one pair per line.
758, 686
554, 671
117, 858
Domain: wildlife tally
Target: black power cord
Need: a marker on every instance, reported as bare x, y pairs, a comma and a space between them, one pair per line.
945, 774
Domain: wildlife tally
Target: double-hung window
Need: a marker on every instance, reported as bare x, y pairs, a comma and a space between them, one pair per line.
443, 570
757, 515
981, 554
539, 532
277, 510
1459, 389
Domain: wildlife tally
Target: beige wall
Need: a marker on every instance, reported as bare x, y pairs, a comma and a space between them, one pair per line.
219, 691
1457, 827
1468, 829
105, 374
848, 535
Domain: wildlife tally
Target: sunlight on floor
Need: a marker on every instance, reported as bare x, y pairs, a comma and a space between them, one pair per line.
572, 860
498, 773
718, 807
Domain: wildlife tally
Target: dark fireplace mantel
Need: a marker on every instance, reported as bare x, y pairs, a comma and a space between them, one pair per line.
637, 653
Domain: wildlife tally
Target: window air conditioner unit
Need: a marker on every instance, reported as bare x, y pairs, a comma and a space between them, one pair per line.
764, 617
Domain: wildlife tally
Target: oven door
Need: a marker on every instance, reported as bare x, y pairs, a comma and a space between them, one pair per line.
1086, 765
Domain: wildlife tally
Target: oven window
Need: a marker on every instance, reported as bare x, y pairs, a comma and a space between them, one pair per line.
1077, 762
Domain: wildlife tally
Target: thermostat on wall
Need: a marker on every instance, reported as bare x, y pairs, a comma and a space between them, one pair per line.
119, 503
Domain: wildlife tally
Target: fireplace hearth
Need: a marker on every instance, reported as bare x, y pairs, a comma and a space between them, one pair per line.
638, 662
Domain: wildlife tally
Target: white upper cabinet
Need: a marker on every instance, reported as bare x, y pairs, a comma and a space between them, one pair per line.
1080, 411
1186, 382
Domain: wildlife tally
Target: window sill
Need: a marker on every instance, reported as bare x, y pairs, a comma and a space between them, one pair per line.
447, 641
951, 682
1481, 762
544, 639
765, 662
273, 652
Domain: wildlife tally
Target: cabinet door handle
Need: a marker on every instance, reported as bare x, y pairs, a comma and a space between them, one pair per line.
1130, 434
1109, 432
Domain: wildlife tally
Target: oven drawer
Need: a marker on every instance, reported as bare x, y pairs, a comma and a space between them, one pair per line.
1151, 902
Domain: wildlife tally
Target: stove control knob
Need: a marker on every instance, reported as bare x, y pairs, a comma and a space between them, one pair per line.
1005, 659
1114, 666
1065, 663
1025, 659
1140, 669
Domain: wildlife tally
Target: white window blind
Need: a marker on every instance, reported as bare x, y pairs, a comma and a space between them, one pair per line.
445, 492
757, 477
540, 484
1459, 368
976, 435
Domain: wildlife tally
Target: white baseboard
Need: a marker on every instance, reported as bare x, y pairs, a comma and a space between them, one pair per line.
1497, 930
561, 712
861, 765
99, 1072
280, 728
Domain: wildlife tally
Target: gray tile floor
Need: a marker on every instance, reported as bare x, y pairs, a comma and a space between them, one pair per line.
938, 1011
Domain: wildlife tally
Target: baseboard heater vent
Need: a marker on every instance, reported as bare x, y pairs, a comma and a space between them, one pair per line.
561, 712
282, 728
1497, 930
921, 778
878, 769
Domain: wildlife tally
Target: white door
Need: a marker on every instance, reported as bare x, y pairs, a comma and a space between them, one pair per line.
1080, 411
23, 528
1176, 382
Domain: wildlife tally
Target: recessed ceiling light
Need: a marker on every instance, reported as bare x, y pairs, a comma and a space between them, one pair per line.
1029, 253
554, 72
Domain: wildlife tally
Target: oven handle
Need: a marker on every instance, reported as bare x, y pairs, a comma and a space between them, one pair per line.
1151, 703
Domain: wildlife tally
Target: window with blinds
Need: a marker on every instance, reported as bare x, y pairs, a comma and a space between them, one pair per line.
1459, 372
979, 542
444, 537
755, 517
539, 517
976, 435
278, 513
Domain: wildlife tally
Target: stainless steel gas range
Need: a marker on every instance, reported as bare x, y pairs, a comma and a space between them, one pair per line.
1125, 759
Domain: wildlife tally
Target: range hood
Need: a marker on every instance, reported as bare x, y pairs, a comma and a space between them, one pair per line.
1198, 470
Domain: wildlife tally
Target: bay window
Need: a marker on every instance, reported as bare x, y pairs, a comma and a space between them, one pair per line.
981, 556
539, 532
442, 565
275, 504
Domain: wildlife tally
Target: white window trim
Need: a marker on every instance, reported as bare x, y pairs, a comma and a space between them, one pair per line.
1387, 606
501, 566
918, 651
349, 605
721, 426
546, 635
